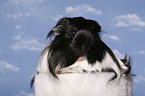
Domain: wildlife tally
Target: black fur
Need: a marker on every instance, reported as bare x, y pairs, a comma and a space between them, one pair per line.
75, 37
128, 65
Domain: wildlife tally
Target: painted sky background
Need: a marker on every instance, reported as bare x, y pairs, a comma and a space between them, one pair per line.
24, 25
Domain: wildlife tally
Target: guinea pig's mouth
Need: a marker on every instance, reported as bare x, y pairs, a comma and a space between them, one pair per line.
81, 50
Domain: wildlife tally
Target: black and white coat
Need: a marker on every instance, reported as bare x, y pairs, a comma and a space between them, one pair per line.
94, 69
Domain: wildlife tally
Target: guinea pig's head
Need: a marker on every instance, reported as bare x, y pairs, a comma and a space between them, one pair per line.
78, 33
73, 37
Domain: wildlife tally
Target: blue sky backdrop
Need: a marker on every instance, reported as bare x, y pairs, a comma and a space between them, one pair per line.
24, 25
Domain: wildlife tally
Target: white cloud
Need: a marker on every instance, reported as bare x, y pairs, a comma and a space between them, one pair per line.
18, 26
18, 37
57, 17
18, 15
27, 43
22, 93
20, 1
27, 14
118, 54
17, 2
11, 16
4, 65
41, 1
141, 52
129, 20
14, 16
81, 10
139, 79
114, 37
135, 29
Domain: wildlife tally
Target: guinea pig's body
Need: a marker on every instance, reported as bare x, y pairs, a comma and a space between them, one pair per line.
78, 63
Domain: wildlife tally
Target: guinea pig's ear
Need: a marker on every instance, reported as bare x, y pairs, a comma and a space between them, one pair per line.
98, 27
94, 25
57, 29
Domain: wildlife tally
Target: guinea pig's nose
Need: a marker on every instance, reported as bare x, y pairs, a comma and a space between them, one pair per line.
83, 39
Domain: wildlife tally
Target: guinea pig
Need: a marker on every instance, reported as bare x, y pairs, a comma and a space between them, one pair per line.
78, 63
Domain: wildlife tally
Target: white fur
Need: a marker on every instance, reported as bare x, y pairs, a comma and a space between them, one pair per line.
82, 84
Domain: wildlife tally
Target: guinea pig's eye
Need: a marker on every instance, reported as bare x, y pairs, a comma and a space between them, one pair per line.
73, 32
